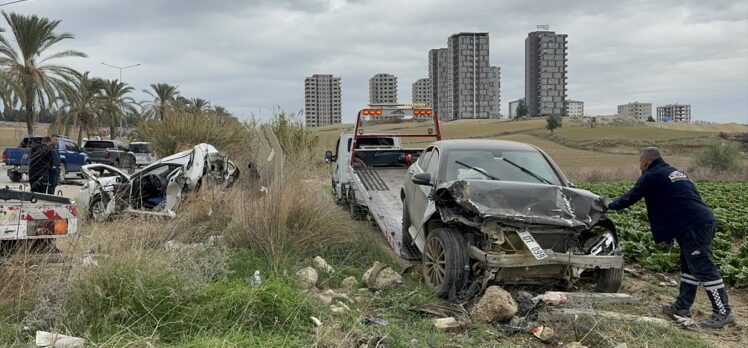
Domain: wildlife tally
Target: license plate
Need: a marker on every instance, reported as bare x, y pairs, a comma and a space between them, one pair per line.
532, 245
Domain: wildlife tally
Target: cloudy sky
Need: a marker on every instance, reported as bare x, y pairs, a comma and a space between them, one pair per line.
252, 56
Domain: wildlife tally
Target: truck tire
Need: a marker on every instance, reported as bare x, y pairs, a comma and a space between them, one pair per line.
408, 250
15, 176
609, 280
444, 260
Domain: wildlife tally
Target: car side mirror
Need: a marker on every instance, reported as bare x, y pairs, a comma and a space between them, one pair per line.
423, 179
571, 184
329, 158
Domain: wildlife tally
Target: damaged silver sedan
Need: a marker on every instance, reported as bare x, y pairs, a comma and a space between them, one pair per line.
482, 211
156, 189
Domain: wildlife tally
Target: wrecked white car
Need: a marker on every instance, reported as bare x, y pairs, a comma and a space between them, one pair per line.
157, 188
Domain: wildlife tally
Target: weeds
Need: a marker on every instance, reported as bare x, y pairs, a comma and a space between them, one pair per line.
724, 157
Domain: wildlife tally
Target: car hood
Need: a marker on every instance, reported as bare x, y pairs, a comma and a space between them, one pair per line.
474, 201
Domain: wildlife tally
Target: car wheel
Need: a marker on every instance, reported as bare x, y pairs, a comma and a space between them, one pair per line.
444, 260
97, 209
63, 173
408, 250
609, 280
15, 176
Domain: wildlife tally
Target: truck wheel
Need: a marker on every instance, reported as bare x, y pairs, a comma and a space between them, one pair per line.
357, 212
609, 280
63, 173
15, 176
444, 260
408, 250
335, 196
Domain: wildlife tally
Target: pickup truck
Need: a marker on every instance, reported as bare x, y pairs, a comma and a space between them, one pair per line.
35, 216
16, 160
109, 152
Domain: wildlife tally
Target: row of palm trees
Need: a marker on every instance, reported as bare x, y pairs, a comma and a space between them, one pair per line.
31, 78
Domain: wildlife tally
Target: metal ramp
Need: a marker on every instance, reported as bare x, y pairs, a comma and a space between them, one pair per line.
383, 192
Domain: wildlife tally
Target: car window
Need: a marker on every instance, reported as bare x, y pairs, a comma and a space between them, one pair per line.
423, 160
433, 165
70, 146
507, 165
95, 144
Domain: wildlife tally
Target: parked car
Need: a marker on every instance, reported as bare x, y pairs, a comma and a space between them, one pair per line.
479, 211
111, 152
142, 152
16, 160
157, 188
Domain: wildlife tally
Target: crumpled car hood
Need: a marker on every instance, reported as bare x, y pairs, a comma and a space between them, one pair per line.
474, 201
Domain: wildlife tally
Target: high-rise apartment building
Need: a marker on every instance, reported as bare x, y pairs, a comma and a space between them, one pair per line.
574, 108
674, 112
383, 89
322, 103
545, 73
463, 83
421, 91
642, 111
438, 77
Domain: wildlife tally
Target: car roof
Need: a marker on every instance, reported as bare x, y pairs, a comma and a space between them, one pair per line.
475, 144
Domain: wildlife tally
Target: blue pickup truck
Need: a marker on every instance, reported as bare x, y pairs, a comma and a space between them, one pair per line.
16, 159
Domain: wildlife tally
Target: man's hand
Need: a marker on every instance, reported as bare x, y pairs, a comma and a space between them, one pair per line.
604, 201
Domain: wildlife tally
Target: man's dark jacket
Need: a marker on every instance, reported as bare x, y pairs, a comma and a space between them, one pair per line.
673, 203
40, 162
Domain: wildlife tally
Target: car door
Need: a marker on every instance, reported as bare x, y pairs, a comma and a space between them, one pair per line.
419, 193
74, 156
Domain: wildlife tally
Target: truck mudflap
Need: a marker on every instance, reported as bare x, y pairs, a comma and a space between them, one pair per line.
526, 259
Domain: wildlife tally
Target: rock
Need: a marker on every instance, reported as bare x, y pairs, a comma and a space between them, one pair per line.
323, 265
338, 310
544, 333
54, 340
307, 278
495, 306
381, 277
324, 299
350, 283
575, 345
449, 324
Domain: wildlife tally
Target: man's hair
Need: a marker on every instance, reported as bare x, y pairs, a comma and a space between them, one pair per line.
47, 139
650, 153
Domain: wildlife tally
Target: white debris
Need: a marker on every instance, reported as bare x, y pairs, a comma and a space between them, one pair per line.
447, 324
316, 321
54, 340
256, 279
323, 265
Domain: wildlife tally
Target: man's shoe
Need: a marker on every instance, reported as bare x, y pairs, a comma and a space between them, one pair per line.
717, 321
670, 310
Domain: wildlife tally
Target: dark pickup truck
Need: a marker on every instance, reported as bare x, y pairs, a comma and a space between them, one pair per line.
16, 159
110, 152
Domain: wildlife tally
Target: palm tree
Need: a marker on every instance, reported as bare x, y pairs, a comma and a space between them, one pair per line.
86, 102
198, 105
163, 95
37, 80
118, 104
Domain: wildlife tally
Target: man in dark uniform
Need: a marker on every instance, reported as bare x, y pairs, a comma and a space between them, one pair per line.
676, 211
54, 171
39, 165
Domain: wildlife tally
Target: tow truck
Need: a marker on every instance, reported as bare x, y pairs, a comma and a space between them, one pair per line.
370, 167
36, 217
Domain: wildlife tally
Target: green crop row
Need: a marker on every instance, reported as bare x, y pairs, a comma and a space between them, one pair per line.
728, 200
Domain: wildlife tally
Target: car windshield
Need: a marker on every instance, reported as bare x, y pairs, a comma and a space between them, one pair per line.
139, 148
93, 144
507, 165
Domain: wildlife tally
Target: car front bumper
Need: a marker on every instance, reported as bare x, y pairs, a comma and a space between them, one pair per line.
553, 258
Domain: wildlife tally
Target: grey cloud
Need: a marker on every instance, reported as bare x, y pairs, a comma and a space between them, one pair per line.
253, 55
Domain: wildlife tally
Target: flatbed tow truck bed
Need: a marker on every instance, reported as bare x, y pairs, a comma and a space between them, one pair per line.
382, 192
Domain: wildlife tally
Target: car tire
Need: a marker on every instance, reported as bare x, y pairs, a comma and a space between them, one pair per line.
15, 176
408, 250
97, 209
609, 280
63, 173
444, 260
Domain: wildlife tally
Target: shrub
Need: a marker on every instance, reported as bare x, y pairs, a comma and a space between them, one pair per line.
297, 141
181, 130
553, 122
720, 157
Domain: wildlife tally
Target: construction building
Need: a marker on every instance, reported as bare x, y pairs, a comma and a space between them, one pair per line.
642, 111
513, 107
383, 89
545, 73
322, 105
674, 113
463, 83
421, 92
574, 108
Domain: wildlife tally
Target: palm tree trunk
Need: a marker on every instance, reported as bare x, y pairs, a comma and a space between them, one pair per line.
30, 117
112, 130
80, 135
